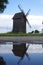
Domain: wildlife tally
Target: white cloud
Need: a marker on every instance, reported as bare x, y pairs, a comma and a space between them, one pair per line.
7, 22
35, 22
6, 16
35, 19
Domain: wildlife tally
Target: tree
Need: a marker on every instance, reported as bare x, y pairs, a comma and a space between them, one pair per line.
3, 4
32, 32
36, 31
2, 62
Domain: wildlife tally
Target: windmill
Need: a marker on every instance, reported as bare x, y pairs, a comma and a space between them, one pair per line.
42, 26
19, 21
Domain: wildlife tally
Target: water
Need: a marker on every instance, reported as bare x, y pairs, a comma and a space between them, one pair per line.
22, 54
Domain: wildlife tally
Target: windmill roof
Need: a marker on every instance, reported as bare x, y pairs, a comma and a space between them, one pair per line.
18, 15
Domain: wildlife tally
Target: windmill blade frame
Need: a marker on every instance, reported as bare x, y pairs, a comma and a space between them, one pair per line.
25, 15
28, 23
28, 12
21, 10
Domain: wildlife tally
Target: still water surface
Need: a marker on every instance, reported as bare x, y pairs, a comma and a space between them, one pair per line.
22, 54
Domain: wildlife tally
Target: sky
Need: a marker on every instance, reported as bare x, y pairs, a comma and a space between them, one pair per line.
35, 16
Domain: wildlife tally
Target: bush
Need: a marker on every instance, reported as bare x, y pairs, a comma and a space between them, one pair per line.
36, 31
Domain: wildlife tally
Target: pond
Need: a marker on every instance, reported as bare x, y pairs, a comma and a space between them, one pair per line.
21, 54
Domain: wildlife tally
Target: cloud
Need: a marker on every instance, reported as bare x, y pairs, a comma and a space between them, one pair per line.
6, 16
7, 22
35, 19
35, 22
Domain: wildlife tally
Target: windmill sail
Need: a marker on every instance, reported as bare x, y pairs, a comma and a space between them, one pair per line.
25, 15
28, 12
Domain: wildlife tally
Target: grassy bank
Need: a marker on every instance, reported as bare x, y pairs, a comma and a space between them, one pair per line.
20, 34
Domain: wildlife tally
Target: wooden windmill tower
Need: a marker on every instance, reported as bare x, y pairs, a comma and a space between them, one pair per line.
19, 21
42, 26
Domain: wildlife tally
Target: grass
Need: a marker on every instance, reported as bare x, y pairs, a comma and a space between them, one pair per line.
21, 34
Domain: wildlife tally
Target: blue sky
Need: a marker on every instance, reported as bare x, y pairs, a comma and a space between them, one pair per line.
36, 6
35, 16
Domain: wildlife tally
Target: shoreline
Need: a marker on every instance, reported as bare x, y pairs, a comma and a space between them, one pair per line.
22, 39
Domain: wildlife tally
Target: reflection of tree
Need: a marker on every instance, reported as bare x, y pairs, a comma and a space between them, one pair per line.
2, 62
20, 50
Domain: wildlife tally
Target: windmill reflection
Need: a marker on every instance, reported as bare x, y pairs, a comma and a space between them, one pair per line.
2, 62
20, 50
42, 45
